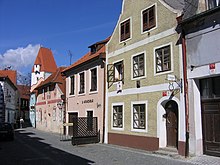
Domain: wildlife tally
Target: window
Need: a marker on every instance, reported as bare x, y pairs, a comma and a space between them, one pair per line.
48, 93
163, 59
40, 115
125, 30
93, 79
81, 83
149, 18
212, 3
210, 88
139, 116
72, 85
118, 116
138, 66
54, 114
43, 91
115, 73
118, 70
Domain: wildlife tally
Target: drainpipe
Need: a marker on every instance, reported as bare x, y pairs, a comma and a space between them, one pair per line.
185, 93
103, 132
102, 55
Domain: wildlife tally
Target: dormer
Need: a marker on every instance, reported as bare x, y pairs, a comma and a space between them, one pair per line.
97, 46
93, 49
37, 69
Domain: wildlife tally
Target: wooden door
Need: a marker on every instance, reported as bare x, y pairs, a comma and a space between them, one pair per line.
71, 118
172, 127
211, 127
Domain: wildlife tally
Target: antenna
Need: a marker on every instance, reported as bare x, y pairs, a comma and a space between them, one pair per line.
70, 54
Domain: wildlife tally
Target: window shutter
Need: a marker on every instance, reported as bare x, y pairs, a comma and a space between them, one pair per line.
110, 75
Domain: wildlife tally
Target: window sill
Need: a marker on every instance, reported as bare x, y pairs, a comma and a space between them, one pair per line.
117, 129
162, 73
123, 42
139, 130
93, 92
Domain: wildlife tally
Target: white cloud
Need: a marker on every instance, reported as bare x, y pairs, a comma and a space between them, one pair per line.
21, 59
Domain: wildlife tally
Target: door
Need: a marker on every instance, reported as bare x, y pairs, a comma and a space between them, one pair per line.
71, 119
172, 124
89, 120
211, 127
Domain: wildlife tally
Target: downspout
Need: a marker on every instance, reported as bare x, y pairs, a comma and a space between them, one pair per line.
180, 29
103, 131
185, 92
101, 56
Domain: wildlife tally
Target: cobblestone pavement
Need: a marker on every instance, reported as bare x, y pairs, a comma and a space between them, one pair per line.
105, 154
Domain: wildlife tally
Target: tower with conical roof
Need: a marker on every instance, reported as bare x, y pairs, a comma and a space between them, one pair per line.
43, 67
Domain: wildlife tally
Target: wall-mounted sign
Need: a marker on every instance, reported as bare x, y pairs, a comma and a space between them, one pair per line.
87, 101
171, 77
212, 68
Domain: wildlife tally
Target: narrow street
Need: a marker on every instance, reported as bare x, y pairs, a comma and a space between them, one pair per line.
35, 147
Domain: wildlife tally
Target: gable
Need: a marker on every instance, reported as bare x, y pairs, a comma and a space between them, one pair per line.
164, 17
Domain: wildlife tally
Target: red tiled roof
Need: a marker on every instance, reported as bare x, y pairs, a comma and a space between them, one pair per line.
24, 91
45, 58
55, 78
89, 55
11, 74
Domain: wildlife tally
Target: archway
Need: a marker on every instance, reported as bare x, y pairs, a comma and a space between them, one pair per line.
168, 122
171, 117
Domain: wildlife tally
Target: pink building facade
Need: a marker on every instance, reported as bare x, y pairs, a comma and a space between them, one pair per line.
50, 109
85, 87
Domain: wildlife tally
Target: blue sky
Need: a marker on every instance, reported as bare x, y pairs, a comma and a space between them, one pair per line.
60, 25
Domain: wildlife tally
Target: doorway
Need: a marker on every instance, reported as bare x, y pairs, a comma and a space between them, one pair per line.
171, 117
71, 119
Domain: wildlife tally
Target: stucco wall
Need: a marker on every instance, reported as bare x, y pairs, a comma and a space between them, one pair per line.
89, 101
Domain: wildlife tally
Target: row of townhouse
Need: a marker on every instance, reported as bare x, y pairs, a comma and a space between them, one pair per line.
14, 98
8, 96
153, 84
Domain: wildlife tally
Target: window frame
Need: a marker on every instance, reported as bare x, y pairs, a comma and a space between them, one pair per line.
132, 116
122, 40
144, 65
112, 116
79, 83
155, 15
90, 87
171, 59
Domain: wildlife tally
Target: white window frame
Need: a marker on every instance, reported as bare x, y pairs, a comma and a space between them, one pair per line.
171, 58
90, 78
130, 30
123, 117
142, 30
79, 83
74, 85
145, 66
146, 112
